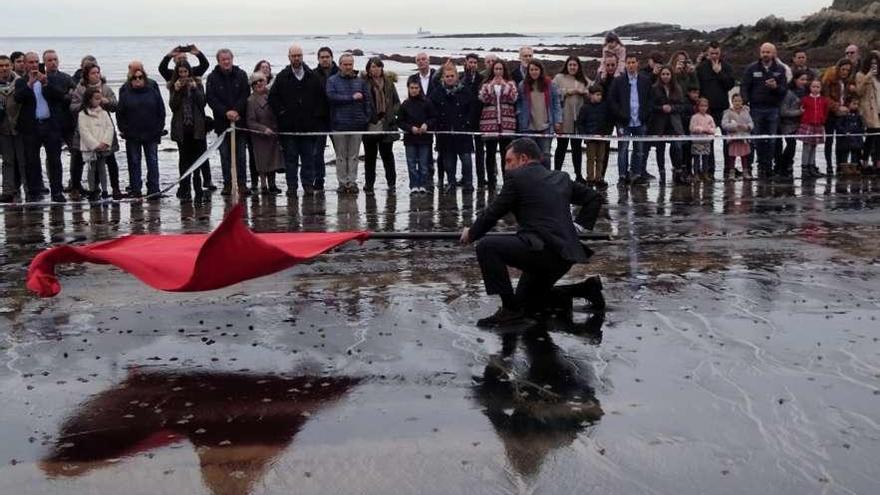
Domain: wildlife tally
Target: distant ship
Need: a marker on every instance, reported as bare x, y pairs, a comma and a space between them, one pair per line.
357, 34
422, 31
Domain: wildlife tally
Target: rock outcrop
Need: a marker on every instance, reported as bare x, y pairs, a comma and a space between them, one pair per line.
845, 22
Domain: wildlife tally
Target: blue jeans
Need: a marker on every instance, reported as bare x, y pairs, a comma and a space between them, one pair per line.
450, 159
319, 163
544, 144
766, 122
133, 154
240, 158
299, 153
417, 159
637, 167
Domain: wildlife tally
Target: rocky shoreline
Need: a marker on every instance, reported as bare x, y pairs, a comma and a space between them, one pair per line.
822, 35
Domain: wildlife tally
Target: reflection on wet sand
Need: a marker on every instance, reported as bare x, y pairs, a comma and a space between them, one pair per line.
541, 401
237, 423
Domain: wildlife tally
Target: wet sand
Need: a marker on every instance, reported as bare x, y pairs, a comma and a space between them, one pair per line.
739, 354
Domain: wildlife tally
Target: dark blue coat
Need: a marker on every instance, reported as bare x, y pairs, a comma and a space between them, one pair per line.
299, 105
593, 119
413, 113
227, 91
457, 110
346, 113
140, 114
846, 126
756, 93
618, 99
56, 96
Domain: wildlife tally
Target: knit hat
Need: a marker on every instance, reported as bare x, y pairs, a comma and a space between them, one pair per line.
256, 76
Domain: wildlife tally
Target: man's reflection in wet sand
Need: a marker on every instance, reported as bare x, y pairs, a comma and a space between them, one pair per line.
237, 423
541, 399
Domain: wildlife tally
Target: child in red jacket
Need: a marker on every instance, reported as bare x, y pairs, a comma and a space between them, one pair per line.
812, 128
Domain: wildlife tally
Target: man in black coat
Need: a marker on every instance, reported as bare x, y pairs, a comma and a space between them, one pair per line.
429, 80
526, 55
763, 88
472, 80
427, 77
546, 244
716, 81
42, 123
629, 102
227, 93
299, 103
325, 69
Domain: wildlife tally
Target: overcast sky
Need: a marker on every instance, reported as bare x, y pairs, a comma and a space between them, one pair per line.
218, 17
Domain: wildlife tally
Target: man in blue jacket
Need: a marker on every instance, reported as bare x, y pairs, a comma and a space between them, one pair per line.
629, 102
763, 89
350, 111
227, 93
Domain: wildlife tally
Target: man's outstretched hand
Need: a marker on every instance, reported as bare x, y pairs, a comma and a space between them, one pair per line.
465, 236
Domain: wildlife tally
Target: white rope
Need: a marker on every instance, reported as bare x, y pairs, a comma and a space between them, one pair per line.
198, 163
488, 135
587, 137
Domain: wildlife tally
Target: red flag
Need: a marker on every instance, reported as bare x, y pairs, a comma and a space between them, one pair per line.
191, 262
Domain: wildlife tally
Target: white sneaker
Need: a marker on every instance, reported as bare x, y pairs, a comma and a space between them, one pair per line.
414, 190
423, 190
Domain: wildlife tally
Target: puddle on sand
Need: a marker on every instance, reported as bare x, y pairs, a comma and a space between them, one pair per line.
740, 354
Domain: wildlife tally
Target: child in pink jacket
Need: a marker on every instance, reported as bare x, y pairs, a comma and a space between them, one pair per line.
702, 124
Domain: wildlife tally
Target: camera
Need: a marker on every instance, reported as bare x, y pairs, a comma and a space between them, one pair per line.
185, 48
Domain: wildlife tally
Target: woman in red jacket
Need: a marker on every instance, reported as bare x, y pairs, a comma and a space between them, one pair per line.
812, 127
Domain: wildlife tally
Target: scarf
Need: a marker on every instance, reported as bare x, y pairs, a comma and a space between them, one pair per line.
8, 87
188, 117
377, 88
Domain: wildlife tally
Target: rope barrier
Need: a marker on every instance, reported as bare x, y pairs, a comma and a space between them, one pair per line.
586, 137
214, 146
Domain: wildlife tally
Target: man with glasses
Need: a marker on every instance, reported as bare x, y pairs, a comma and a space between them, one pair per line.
852, 54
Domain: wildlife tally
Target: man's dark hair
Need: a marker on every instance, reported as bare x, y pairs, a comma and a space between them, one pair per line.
714, 45
4, 57
849, 99
15, 56
325, 49
473, 56
658, 58
525, 146
634, 57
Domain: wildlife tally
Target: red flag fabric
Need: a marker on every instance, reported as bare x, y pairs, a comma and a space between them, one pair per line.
230, 254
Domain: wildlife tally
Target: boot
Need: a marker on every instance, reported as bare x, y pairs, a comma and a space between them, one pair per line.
590, 289
502, 317
747, 174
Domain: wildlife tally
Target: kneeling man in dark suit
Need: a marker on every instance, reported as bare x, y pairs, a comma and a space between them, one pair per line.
546, 244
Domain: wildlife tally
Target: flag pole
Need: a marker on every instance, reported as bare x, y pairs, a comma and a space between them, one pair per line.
454, 236
233, 169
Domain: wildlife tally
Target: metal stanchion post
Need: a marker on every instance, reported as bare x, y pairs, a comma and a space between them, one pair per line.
233, 168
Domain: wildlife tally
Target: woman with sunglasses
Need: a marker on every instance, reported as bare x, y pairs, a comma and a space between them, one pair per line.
141, 119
